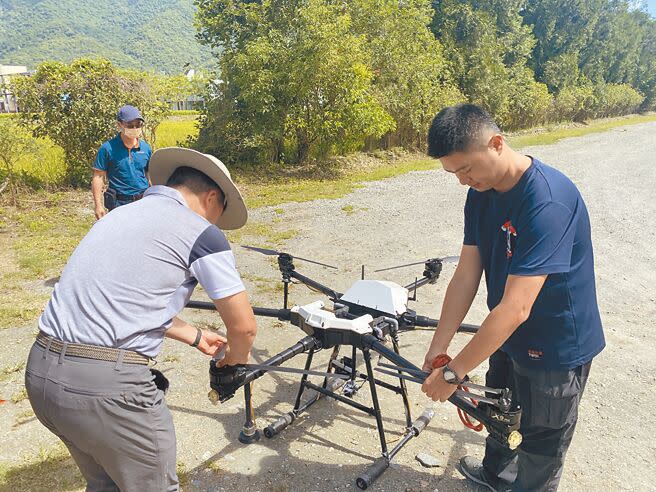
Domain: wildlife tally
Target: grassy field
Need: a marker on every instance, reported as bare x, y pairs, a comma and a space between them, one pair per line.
549, 135
176, 130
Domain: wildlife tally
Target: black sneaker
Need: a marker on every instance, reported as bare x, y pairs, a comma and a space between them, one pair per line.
473, 469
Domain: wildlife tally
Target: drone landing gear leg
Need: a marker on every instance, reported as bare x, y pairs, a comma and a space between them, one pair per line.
376, 469
283, 421
249, 433
381, 464
404, 389
413, 429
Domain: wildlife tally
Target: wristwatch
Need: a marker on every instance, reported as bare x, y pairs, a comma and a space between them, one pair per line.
450, 375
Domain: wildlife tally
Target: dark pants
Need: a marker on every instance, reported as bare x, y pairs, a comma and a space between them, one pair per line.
550, 402
111, 417
112, 199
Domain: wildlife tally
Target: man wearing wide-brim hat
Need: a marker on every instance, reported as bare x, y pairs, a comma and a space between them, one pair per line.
88, 377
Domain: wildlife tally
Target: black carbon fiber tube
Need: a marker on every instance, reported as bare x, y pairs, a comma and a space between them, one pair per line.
313, 284
374, 471
281, 314
465, 405
301, 346
432, 322
275, 428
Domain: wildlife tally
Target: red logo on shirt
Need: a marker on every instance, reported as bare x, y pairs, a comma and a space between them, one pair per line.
510, 231
535, 354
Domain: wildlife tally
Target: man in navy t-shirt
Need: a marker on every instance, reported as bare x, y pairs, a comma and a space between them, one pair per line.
527, 228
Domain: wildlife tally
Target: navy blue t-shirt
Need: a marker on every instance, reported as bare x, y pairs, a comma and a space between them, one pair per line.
540, 226
126, 170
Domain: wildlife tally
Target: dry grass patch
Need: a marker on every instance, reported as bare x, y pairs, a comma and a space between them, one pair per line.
49, 470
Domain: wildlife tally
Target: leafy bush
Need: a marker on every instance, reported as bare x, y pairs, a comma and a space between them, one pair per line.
75, 106
616, 100
530, 101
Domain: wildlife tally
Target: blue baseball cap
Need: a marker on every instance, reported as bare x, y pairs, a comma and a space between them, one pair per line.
128, 113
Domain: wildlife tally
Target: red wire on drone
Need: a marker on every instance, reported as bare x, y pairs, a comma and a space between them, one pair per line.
441, 361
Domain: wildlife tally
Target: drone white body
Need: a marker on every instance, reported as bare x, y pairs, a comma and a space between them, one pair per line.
381, 295
315, 316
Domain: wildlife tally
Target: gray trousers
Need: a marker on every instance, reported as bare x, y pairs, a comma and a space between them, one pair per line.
550, 402
111, 417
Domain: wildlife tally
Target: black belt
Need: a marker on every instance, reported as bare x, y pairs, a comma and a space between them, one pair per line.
129, 198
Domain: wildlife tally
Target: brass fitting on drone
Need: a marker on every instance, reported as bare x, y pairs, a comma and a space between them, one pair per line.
514, 439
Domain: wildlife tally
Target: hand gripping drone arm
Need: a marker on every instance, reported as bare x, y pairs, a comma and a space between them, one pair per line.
502, 426
225, 381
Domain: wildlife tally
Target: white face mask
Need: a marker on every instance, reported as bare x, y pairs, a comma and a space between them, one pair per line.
132, 132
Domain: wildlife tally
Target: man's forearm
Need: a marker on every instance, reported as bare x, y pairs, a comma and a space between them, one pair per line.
181, 331
237, 314
457, 301
97, 190
240, 337
502, 321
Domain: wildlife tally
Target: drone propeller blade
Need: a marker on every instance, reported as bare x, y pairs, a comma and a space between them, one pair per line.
273, 252
446, 259
450, 259
269, 252
315, 262
401, 266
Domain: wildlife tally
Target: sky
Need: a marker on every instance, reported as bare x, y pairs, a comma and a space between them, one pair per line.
651, 7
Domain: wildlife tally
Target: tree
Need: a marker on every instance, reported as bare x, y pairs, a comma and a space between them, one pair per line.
489, 47
413, 79
645, 80
295, 81
560, 27
75, 105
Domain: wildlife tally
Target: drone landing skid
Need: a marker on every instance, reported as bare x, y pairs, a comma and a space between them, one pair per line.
330, 388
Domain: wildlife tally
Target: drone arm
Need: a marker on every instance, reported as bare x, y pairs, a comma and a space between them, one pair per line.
418, 283
432, 322
315, 285
500, 426
281, 314
226, 380
303, 345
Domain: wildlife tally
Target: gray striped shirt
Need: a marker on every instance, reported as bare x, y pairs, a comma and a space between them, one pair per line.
135, 270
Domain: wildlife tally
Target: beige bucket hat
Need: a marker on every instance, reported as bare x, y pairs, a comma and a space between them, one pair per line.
165, 161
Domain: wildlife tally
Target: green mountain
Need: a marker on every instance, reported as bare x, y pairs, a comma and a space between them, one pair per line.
141, 34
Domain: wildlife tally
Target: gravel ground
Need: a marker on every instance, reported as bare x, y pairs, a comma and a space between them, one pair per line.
403, 219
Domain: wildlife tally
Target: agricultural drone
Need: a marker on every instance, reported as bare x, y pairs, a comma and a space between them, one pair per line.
364, 319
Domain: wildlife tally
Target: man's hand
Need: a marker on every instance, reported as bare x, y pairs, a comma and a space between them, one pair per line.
436, 388
211, 343
100, 212
432, 353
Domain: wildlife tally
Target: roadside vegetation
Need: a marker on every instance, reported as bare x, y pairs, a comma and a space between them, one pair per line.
37, 237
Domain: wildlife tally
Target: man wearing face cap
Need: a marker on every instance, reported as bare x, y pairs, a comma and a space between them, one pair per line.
123, 161
87, 376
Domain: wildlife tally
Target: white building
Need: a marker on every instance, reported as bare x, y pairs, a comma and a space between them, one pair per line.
7, 99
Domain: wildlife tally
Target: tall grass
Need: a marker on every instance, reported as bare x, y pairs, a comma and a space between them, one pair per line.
176, 130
